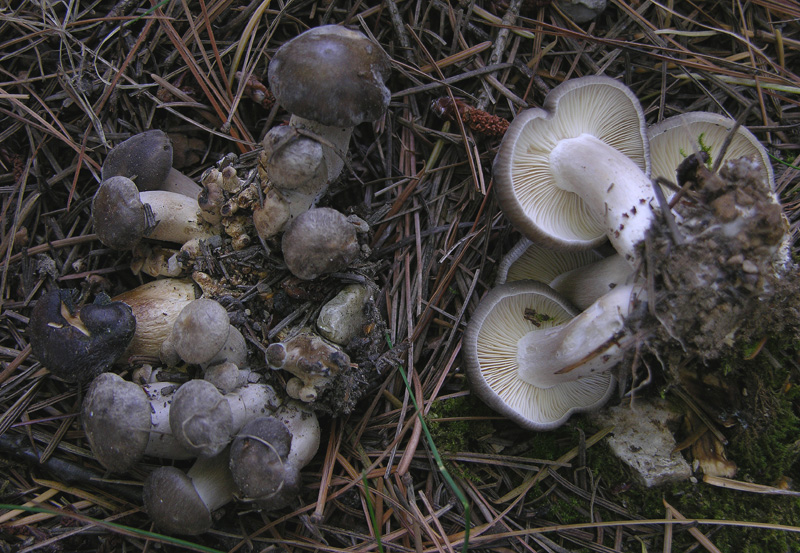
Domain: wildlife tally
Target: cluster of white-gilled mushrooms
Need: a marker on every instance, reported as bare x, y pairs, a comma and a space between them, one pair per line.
541, 344
250, 441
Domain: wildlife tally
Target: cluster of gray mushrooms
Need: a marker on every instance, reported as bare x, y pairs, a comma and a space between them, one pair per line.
694, 252
249, 439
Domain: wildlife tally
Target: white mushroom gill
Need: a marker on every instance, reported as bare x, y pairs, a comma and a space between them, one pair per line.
491, 347
676, 137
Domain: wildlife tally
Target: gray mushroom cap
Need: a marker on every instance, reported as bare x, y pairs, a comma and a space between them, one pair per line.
258, 457
200, 418
318, 242
173, 503
146, 156
331, 75
116, 419
200, 331
118, 213
182, 503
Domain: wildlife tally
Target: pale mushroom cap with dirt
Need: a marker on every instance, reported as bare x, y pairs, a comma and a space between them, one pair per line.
677, 137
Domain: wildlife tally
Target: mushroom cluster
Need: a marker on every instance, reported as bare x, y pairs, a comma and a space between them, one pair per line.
193, 394
542, 344
250, 443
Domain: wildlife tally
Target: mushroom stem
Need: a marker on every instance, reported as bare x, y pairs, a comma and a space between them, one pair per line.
584, 285
613, 187
177, 217
180, 183
590, 343
212, 480
335, 142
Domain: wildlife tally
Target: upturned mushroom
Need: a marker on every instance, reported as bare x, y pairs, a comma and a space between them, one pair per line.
124, 422
183, 503
679, 136
204, 421
146, 158
532, 357
330, 79
123, 216
581, 276
576, 171
155, 306
313, 362
78, 344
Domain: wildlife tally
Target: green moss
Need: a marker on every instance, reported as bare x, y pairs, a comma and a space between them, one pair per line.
457, 435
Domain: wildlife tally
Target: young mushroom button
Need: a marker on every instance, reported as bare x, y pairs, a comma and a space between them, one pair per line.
318, 242
576, 171
330, 79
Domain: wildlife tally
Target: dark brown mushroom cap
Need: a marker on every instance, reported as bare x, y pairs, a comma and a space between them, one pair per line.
118, 213
79, 346
318, 242
331, 75
116, 419
173, 503
145, 158
258, 457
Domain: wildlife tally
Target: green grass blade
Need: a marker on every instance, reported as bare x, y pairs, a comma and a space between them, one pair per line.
115, 527
439, 463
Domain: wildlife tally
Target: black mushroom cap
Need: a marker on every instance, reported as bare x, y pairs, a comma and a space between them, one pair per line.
318, 242
118, 213
172, 501
79, 346
331, 75
258, 458
145, 158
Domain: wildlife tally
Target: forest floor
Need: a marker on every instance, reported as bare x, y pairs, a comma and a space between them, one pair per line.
419, 464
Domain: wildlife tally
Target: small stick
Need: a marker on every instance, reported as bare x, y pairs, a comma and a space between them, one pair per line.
729, 137
665, 209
